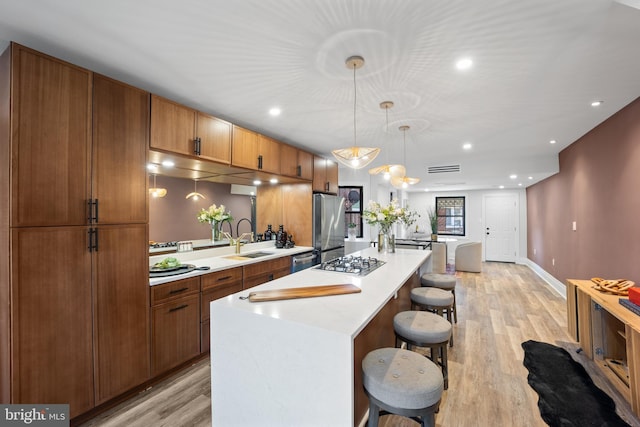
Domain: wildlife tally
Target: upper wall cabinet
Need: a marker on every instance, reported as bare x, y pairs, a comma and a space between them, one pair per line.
295, 162
182, 130
254, 151
51, 140
325, 175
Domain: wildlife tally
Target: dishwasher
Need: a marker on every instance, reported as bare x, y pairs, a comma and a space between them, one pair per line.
303, 261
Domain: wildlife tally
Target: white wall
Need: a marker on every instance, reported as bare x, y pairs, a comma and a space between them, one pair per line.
374, 188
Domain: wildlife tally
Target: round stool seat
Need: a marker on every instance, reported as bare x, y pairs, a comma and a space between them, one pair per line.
442, 281
401, 378
422, 327
433, 297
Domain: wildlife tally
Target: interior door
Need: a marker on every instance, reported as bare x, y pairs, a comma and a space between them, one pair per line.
501, 227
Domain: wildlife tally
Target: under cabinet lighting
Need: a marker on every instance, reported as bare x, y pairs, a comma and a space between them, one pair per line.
168, 163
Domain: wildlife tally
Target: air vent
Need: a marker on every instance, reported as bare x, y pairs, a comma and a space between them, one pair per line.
444, 169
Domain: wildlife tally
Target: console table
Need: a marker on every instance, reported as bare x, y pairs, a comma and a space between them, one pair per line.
609, 334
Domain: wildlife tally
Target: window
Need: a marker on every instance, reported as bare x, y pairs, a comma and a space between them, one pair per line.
352, 208
451, 215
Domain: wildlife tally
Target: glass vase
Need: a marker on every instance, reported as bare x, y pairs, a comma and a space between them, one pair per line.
215, 231
386, 242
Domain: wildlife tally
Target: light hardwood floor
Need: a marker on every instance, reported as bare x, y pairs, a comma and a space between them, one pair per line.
498, 309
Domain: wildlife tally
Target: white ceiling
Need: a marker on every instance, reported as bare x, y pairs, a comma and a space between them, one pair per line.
537, 67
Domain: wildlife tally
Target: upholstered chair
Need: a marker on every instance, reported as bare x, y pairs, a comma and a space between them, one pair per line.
469, 257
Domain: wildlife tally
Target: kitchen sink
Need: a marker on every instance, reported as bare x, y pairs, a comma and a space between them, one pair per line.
249, 255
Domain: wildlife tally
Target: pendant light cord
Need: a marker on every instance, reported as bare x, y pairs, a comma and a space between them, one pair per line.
355, 98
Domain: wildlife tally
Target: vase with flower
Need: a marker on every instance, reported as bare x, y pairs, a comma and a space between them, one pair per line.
215, 216
385, 217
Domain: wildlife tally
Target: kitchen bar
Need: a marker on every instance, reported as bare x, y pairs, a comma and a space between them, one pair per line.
296, 362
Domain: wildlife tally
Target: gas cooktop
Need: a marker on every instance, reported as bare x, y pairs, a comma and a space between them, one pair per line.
352, 264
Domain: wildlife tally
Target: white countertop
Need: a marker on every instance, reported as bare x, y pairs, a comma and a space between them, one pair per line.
216, 260
346, 314
291, 362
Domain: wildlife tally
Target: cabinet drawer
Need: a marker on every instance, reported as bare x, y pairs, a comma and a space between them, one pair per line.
221, 278
169, 291
215, 293
265, 267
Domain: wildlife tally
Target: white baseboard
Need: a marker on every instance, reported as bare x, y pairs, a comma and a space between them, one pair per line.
554, 283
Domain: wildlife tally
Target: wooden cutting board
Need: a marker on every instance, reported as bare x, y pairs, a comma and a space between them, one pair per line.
306, 292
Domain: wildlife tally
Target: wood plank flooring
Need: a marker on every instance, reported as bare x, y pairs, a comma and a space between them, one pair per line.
498, 309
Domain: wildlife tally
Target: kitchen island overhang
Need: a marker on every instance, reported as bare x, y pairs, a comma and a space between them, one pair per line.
291, 362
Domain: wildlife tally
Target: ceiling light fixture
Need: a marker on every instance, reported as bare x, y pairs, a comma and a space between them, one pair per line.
275, 111
388, 170
355, 157
464, 64
155, 191
553, 141
513, 176
596, 103
404, 181
467, 146
196, 196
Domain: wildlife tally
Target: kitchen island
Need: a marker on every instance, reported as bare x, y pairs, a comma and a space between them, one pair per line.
297, 362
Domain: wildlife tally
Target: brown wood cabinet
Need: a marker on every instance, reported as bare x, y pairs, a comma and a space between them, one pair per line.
79, 306
254, 151
182, 130
265, 271
51, 317
325, 175
296, 163
175, 324
216, 285
51, 140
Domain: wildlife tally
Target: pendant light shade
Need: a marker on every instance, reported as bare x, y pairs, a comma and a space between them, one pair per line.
155, 191
355, 157
402, 182
194, 193
388, 171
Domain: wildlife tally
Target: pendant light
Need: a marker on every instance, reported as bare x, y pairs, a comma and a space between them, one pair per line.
155, 191
402, 182
388, 170
355, 157
196, 196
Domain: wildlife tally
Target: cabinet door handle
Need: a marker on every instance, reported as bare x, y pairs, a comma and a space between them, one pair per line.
260, 161
223, 278
177, 291
90, 238
93, 240
180, 307
326, 186
197, 145
299, 170
270, 277
92, 209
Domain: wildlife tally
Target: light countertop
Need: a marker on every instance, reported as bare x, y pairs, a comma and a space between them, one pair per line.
217, 259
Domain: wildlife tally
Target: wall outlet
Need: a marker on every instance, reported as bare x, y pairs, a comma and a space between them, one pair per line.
553, 261
535, 251
575, 226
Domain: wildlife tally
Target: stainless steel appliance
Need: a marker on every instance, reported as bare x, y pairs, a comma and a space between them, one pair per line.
304, 260
328, 226
352, 264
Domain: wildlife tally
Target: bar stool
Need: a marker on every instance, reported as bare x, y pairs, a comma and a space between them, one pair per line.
442, 281
435, 300
425, 329
401, 382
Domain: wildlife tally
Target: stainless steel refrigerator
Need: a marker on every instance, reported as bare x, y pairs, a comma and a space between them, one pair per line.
328, 227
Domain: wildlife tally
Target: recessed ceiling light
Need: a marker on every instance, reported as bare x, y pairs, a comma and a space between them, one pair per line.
257, 182
513, 176
501, 187
275, 111
519, 184
530, 177
168, 163
467, 146
596, 103
273, 180
464, 64
553, 141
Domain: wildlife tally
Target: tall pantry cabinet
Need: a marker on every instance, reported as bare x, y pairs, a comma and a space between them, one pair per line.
76, 284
